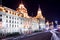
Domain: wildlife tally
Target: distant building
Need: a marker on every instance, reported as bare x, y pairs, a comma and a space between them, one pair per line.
19, 21
51, 26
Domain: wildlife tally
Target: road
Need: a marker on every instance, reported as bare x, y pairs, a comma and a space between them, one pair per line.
34, 36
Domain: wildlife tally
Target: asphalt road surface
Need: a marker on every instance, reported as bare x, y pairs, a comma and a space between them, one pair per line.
40, 36
34, 36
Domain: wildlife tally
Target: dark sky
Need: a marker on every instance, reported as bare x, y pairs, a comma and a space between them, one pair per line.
50, 8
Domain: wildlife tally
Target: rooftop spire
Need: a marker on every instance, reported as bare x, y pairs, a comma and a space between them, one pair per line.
21, 1
39, 7
39, 13
21, 5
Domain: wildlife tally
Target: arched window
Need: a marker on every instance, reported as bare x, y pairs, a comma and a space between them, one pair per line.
11, 12
6, 11
1, 9
15, 13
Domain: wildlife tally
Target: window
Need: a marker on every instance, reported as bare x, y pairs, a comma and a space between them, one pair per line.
6, 20
12, 21
10, 12
0, 15
21, 19
6, 11
6, 16
21, 22
1, 9
6, 25
9, 21
15, 18
15, 13
15, 21
15, 25
10, 17
0, 19
12, 25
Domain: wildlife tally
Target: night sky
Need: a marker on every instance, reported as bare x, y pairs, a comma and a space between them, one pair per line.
50, 8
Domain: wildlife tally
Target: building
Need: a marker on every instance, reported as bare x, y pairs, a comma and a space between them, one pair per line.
40, 18
47, 25
19, 21
9, 20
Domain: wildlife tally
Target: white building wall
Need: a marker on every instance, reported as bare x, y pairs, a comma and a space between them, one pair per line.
10, 23
13, 23
42, 24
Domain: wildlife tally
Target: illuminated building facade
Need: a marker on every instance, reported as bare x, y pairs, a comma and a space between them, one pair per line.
19, 21
47, 25
40, 18
9, 20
